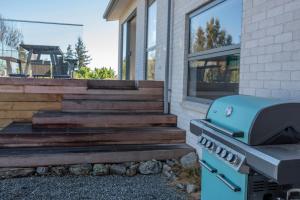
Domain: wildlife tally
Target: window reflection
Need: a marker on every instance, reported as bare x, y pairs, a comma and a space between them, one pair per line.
124, 52
151, 40
152, 20
151, 60
217, 27
213, 71
214, 77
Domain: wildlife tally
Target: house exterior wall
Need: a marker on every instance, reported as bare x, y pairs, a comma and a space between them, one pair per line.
271, 49
270, 55
270, 52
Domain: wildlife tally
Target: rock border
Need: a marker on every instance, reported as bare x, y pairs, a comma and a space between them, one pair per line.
129, 169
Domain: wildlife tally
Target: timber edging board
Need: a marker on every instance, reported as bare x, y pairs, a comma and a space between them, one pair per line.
34, 157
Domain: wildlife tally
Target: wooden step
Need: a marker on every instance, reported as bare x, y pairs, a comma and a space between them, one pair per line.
100, 120
34, 157
112, 85
113, 97
22, 135
114, 106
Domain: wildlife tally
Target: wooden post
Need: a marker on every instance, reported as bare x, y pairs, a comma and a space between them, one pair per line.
28, 62
8, 65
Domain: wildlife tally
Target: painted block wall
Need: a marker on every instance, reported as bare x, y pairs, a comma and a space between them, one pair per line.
270, 52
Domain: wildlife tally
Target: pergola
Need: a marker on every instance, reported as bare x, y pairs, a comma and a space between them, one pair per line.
53, 51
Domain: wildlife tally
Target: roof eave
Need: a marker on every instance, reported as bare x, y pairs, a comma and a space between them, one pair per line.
109, 8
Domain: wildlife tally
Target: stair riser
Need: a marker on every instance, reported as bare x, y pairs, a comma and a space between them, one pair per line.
104, 121
112, 106
52, 140
115, 97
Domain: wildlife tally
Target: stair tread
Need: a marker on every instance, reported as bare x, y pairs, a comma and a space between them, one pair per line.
114, 105
26, 128
102, 148
82, 114
101, 120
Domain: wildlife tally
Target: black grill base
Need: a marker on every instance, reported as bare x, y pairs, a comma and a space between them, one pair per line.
261, 188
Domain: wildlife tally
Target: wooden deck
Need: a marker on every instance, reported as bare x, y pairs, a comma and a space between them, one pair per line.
55, 122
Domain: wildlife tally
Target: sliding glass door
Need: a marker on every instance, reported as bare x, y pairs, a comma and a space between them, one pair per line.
128, 48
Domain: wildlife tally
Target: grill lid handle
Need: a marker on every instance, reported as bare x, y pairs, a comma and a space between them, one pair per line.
238, 134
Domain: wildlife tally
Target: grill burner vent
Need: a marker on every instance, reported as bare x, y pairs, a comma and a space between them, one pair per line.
260, 188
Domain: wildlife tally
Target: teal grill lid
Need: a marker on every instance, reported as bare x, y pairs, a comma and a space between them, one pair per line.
257, 118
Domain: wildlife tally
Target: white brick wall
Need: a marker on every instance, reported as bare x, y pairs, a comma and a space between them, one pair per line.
271, 49
270, 52
185, 110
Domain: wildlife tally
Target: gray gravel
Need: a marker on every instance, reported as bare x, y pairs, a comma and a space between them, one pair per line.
89, 188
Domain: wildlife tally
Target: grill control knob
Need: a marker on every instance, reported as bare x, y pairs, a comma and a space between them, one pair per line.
200, 139
204, 140
231, 157
224, 153
209, 144
219, 150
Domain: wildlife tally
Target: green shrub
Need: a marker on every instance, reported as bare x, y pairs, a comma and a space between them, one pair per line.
97, 73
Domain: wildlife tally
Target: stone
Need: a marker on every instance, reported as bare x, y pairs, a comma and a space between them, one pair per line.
82, 169
170, 176
131, 172
42, 170
166, 168
129, 164
191, 188
150, 167
190, 160
16, 172
172, 162
100, 170
59, 170
180, 186
118, 169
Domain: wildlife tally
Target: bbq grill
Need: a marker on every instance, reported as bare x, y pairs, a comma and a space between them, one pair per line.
250, 149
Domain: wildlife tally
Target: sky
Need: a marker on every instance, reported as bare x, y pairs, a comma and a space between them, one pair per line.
100, 37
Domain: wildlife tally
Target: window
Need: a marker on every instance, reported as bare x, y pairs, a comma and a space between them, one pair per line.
124, 64
214, 49
151, 40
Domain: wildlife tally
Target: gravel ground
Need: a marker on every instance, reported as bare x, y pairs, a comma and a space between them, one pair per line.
89, 188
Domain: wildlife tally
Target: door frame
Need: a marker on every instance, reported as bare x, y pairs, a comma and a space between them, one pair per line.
128, 36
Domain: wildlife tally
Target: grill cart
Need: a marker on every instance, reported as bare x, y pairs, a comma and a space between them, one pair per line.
250, 149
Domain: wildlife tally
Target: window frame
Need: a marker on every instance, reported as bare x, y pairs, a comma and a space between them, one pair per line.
152, 48
123, 24
210, 53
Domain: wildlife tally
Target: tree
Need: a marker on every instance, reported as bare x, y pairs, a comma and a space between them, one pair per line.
13, 38
9, 35
212, 37
199, 45
70, 53
81, 53
3, 30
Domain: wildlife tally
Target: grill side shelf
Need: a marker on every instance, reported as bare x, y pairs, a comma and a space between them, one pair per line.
236, 134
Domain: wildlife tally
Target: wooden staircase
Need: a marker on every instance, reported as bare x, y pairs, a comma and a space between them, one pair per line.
110, 122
